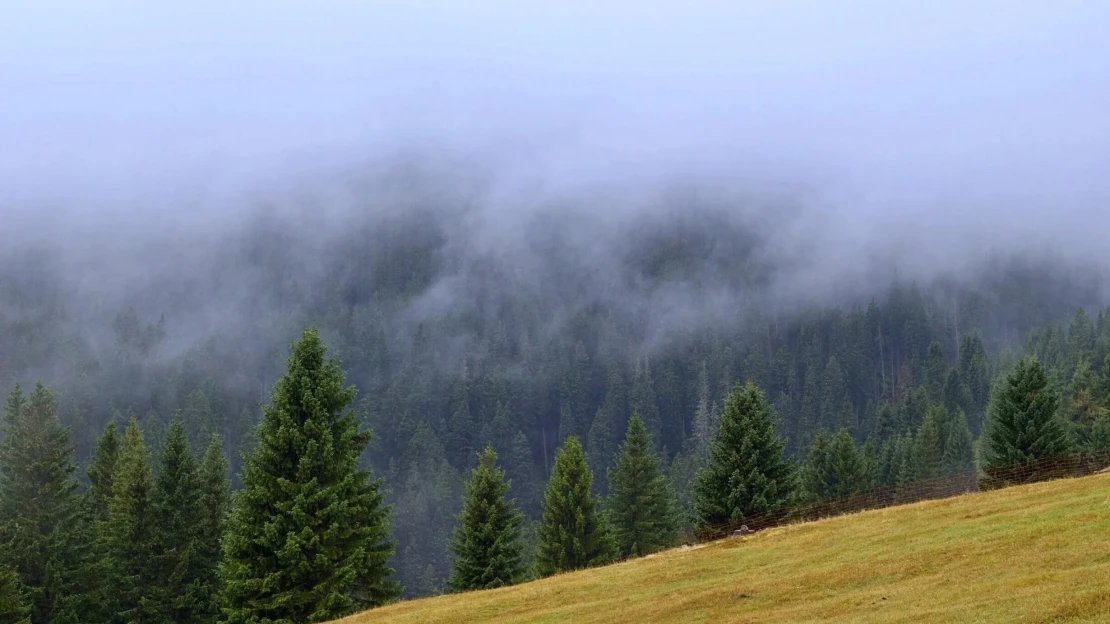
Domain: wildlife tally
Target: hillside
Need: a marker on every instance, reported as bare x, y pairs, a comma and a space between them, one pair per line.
1036, 553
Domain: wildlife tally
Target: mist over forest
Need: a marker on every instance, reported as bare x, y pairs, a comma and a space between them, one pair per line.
525, 225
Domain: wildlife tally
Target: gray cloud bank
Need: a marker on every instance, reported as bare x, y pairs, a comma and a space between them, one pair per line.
854, 137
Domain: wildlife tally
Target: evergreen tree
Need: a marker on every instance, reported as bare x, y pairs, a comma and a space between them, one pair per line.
835, 467
39, 507
833, 392
308, 536
1023, 424
642, 400
641, 505
486, 546
929, 443
131, 531
13, 610
747, 473
100, 470
176, 511
600, 445
573, 534
959, 451
215, 502
936, 371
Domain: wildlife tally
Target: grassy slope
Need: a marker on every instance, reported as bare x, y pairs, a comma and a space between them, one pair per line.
1038, 553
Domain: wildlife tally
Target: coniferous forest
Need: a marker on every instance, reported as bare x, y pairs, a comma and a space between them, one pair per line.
297, 426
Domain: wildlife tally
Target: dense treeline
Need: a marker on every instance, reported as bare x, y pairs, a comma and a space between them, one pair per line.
875, 389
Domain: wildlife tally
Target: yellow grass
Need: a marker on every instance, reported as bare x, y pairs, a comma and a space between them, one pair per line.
1038, 553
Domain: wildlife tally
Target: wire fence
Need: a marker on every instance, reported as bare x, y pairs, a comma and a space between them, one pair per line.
1067, 466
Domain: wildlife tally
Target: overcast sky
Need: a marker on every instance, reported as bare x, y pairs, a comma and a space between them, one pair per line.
923, 101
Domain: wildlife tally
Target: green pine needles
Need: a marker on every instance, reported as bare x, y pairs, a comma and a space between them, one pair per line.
308, 537
486, 549
747, 473
573, 535
641, 504
1023, 426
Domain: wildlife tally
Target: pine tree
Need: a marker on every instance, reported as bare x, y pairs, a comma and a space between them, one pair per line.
100, 470
486, 546
747, 473
935, 372
573, 534
601, 446
959, 451
39, 507
215, 502
641, 505
176, 511
13, 610
308, 535
1023, 425
642, 400
929, 443
835, 467
131, 531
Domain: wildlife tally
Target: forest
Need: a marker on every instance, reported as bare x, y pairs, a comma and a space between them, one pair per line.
603, 363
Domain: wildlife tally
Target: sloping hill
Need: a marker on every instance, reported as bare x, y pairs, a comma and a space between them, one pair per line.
1037, 553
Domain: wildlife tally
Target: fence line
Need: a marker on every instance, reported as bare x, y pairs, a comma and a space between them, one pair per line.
1066, 466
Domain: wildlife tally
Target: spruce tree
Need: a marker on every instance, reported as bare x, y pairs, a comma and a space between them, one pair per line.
747, 472
600, 447
176, 510
308, 538
13, 610
215, 499
1023, 426
39, 507
641, 505
486, 548
929, 443
959, 452
100, 470
131, 531
835, 467
573, 535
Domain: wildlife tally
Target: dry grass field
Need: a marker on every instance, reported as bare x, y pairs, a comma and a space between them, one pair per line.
1036, 553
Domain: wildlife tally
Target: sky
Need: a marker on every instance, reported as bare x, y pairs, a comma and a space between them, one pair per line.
886, 107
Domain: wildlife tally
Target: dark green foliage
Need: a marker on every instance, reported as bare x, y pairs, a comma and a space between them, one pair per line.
486, 547
131, 532
40, 523
601, 448
215, 503
747, 473
13, 610
929, 443
1023, 424
100, 470
835, 468
959, 451
308, 537
178, 590
642, 400
573, 534
641, 505
936, 371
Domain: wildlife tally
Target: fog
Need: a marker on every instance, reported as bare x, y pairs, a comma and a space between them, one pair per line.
858, 139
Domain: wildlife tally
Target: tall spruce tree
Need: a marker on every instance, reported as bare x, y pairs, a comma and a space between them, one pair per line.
487, 551
308, 538
131, 532
641, 505
835, 467
13, 610
176, 510
39, 507
99, 472
573, 535
1023, 426
959, 451
747, 472
215, 500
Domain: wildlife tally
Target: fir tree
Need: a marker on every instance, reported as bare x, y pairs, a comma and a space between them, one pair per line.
13, 610
641, 505
215, 499
600, 449
39, 507
131, 531
100, 470
835, 467
642, 400
929, 443
176, 510
486, 546
1023, 424
936, 371
959, 451
573, 534
747, 473
308, 536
